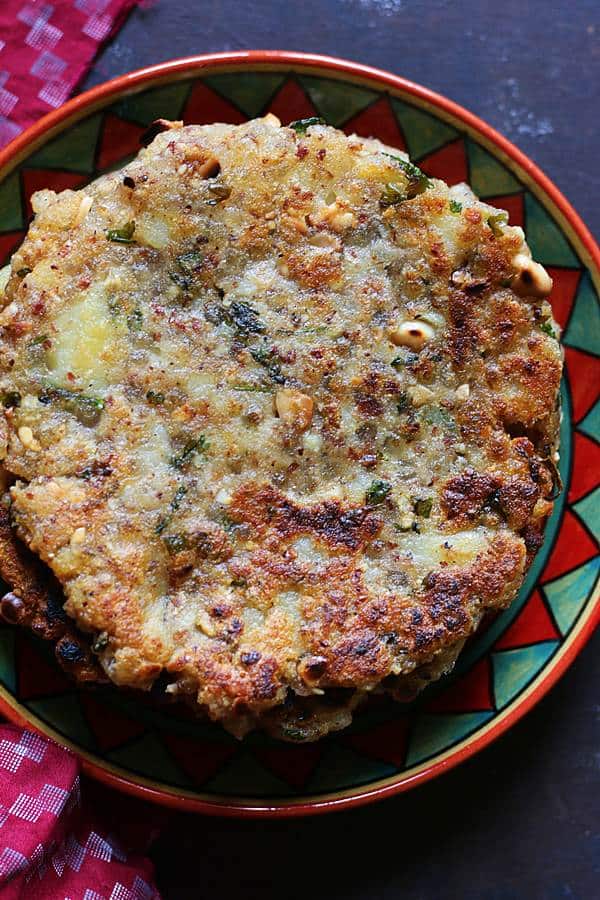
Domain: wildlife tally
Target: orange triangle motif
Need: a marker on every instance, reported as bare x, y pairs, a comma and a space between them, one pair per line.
377, 120
586, 466
110, 726
205, 107
8, 243
36, 676
584, 380
533, 625
386, 742
119, 139
294, 764
290, 102
448, 163
564, 289
469, 693
199, 759
573, 547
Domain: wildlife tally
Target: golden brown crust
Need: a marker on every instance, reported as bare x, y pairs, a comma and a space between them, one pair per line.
278, 418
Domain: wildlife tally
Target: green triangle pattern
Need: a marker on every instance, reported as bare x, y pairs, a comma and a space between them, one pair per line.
64, 714
244, 775
75, 150
514, 669
489, 178
584, 325
11, 211
341, 765
568, 595
591, 424
588, 509
336, 101
149, 757
547, 242
434, 733
144, 108
251, 93
423, 132
8, 671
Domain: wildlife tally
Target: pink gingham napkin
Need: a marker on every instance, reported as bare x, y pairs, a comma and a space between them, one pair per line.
46, 47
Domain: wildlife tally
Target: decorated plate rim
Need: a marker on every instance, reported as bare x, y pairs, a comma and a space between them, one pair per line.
545, 191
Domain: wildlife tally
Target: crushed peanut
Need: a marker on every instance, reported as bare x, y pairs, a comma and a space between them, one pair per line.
413, 334
294, 408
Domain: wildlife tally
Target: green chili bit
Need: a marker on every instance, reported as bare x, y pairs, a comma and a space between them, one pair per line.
190, 262
39, 340
244, 318
268, 359
377, 492
496, 222
417, 180
547, 328
135, 319
404, 403
393, 193
423, 507
199, 445
409, 359
11, 398
155, 398
86, 410
175, 543
23, 272
455, 207
300, 126
122, 235
239, 582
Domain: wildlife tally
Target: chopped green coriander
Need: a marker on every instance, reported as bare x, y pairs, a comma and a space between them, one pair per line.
496, 222
122, 235
23, 272
300, 126
155, 398
239, 582
547, 328
377, 492
455, 207
180, 460
423, 507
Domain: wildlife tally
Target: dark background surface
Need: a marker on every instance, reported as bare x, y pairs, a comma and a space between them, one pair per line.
521, 820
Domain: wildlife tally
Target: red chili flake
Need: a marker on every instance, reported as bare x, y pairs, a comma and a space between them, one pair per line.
38, 308
70, 376
321, 153
473, 215
301, 151
84, 283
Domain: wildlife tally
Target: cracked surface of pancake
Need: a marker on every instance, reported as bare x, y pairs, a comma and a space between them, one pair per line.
281, 415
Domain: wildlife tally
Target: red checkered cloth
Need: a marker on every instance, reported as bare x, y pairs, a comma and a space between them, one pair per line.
46, 46
50, 847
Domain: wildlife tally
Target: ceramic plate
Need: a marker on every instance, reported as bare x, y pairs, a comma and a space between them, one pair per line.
514, 659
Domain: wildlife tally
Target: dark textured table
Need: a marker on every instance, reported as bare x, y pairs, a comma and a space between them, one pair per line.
521, 820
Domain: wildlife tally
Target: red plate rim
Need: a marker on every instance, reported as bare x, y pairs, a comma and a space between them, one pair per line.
140, 79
